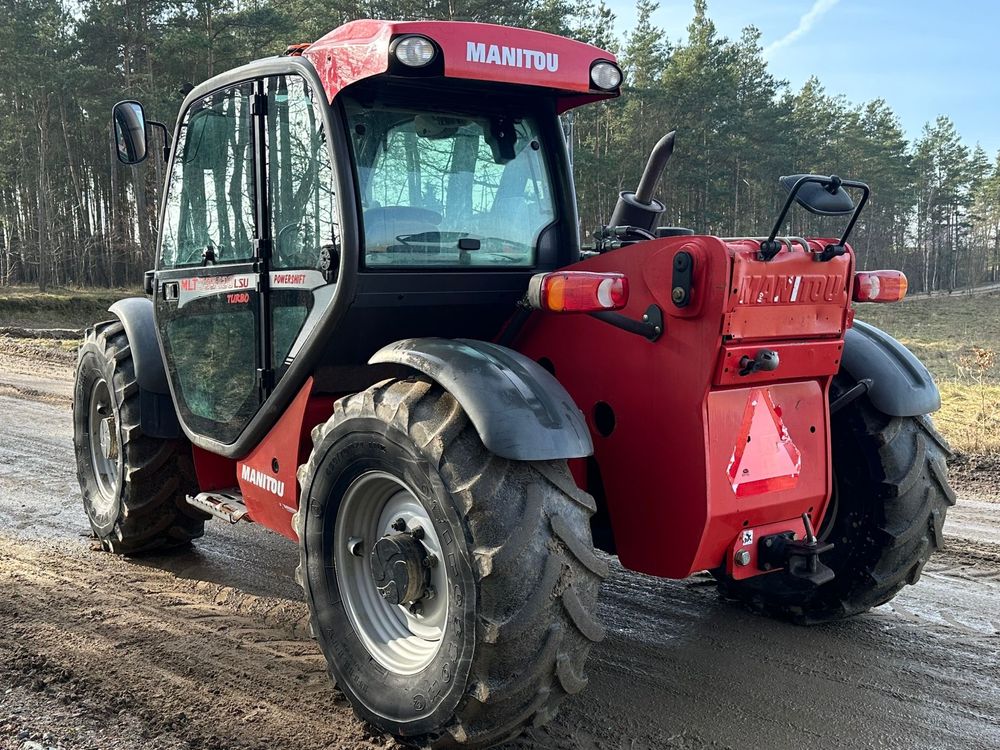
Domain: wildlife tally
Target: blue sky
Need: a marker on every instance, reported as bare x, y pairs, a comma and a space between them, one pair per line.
924, 58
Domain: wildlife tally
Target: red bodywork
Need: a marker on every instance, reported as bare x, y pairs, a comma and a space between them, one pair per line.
700, 454
360, 50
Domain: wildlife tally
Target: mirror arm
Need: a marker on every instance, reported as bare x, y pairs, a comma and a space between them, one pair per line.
770, 247
167, 137
865, 193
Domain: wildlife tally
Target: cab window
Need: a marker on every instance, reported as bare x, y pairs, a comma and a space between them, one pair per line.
210, 199
449, 189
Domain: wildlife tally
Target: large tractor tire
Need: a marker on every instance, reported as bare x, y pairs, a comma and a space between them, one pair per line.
133, 486
453, 592
886, 513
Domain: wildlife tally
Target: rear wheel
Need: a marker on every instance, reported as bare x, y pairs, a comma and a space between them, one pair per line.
133, 486
885, 517
453, 592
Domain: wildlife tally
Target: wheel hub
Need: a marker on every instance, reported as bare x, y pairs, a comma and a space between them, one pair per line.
393, 587
399, 568
106, 438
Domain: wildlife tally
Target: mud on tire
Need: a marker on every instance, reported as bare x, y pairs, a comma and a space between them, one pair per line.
885, 519
523, 578
138, 504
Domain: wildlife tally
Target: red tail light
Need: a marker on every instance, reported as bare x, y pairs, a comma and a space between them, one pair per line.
879, 286
578, 291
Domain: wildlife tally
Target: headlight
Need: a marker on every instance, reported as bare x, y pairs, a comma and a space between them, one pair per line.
606, 75
414, 51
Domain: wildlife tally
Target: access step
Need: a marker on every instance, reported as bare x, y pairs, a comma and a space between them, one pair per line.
225, 505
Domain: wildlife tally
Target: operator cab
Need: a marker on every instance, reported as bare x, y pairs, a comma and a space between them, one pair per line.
318, 208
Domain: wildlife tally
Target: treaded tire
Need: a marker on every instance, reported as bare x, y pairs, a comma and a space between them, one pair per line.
890, 497
523, 578
148, 511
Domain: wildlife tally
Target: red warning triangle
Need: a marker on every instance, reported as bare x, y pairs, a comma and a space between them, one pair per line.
764, 458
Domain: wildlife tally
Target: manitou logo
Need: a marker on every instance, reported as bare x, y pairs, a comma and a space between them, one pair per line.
780, 289
511, 57
262, 480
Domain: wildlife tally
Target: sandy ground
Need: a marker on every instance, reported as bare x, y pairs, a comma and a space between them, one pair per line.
210, 648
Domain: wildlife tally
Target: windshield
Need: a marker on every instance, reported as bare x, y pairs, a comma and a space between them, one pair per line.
449, 190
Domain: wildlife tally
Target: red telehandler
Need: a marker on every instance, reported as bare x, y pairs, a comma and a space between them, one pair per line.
372, 328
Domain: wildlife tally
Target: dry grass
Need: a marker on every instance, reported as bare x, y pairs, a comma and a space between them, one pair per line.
57, 308
958, 338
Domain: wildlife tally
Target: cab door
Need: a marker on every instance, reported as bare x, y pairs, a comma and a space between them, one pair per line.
209, 306
248, 248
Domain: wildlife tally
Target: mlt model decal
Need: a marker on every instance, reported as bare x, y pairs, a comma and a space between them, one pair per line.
511, 57
262, 480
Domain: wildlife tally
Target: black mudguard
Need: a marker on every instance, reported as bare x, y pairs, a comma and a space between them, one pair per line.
901, 385
520, 411
157, 416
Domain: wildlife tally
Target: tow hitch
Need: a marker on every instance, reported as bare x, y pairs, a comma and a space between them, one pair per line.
799, 557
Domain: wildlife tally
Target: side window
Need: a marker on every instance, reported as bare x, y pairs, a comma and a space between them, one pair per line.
304, 219
210, 200
300, 179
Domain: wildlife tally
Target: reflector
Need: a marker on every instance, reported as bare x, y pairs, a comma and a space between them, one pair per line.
578, 291
879, 286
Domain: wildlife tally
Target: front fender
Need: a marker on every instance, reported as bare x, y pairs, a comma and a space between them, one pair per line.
157, 416
520, 411
901, 385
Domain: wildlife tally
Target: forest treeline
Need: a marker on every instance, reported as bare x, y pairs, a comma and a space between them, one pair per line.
71, 214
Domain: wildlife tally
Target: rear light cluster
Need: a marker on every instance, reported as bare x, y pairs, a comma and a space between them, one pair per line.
879, 286
578, 291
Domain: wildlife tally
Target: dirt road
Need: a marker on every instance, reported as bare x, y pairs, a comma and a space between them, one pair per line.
209, 649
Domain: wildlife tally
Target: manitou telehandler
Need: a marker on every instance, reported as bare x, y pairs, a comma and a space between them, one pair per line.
371, 328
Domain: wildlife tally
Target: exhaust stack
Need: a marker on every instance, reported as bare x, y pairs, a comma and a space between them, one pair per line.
640, 209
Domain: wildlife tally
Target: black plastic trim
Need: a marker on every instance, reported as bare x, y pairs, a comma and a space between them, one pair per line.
900, 384
157, 414
521, 412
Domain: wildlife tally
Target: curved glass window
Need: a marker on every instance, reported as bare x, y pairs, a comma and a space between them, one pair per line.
449, 189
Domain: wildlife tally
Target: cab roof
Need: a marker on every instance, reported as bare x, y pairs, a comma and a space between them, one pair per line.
472, 51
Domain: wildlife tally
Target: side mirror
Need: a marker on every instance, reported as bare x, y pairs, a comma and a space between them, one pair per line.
130, 131
823, 196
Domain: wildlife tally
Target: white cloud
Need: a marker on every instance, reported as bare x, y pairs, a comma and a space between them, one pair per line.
817, 11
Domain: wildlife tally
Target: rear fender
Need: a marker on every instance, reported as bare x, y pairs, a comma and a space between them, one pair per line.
520, 411
901, 385
157, 415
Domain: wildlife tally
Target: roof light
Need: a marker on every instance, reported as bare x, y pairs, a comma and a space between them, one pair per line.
605, 75
879, 286
578, 291
414, 51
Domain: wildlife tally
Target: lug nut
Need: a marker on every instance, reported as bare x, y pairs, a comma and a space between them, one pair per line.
431, 560
355, 545
429, 593
417, 532
416, 609
743, 557
399, 524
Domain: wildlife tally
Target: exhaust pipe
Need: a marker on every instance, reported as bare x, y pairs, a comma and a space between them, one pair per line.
640, 209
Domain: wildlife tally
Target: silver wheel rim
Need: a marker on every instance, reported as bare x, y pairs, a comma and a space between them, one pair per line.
402, 642
105, 447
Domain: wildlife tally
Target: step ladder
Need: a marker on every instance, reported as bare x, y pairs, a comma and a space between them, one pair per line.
226, 505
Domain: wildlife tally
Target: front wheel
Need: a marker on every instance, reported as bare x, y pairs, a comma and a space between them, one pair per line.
885, 517
133, 485
453, 592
